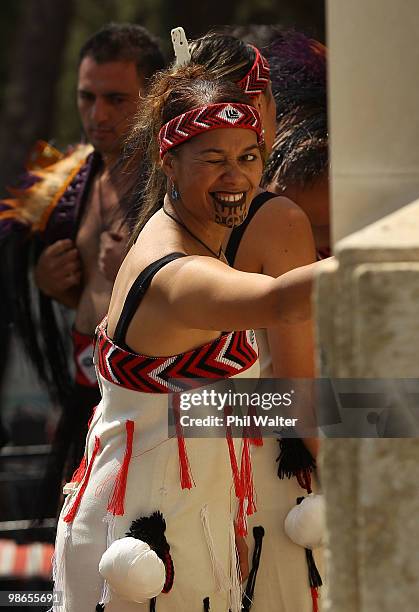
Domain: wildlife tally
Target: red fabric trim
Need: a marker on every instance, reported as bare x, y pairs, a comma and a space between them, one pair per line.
205, 118
254, 430
79, 473
170, 573
116, 502
83, 345
257, 79
186, 478
243, 479
314, 598
304, 480
69, 517
219, 359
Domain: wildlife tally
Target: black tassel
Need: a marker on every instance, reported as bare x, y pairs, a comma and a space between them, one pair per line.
313, 573
153, 604
206, 604
314, 577
151, 529
100, 607
247, 601
293, 458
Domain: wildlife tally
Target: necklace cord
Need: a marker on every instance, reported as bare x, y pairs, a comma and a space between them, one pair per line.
220, 252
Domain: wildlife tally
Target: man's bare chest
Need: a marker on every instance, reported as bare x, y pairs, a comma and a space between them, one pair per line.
100, 214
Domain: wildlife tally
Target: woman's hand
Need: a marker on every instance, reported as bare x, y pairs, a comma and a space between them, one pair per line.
58, 268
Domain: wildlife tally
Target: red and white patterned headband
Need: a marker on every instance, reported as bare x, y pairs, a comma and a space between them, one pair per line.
257, 79
205, 118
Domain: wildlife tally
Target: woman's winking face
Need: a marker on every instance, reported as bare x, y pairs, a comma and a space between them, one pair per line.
216, 174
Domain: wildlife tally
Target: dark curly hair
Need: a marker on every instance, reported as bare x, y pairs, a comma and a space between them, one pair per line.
299, 83
125, 42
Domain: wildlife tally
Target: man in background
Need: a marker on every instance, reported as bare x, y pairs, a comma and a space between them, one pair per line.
81, 227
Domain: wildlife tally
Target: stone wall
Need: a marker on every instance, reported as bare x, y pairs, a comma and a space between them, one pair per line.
367, 301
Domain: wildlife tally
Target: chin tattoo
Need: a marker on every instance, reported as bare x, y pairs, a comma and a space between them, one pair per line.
230, 215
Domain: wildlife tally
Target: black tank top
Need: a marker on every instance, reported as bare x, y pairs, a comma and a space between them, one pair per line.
238, 232
135, 296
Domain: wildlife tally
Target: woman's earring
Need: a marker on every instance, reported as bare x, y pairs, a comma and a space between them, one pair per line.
175, 195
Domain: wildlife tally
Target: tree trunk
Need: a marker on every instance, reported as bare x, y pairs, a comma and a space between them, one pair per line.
28, 110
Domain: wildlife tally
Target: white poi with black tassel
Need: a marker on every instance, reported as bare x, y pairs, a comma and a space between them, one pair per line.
133, 570
305, 526
305, 522
138, 567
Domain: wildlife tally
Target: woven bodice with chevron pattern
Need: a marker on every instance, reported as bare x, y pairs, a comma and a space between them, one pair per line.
230, 354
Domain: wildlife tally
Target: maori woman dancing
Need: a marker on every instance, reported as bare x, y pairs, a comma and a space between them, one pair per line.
276, 237
177, 310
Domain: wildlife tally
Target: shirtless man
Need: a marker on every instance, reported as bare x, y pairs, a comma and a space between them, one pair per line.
79, 268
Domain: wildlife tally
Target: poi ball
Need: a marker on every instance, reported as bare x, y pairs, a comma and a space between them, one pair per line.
305, 523
133, 570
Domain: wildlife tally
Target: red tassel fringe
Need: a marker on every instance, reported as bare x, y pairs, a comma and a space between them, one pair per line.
186, 478
116, 502
243, 481
247, 505
254, 430
241, 518
304, 479
247, 477
80, 471
315, 597
233, 463
91, 417
69, 517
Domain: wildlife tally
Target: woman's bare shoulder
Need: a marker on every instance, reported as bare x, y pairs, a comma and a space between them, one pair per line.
279, 219
280, 236
279, 210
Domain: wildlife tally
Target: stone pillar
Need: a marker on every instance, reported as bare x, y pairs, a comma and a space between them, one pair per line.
368, 300
368, 327
374, 118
